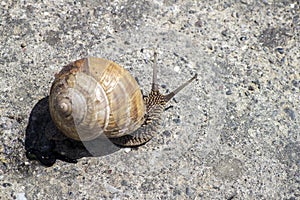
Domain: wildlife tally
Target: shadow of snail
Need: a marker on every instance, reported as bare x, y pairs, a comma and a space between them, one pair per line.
95, 107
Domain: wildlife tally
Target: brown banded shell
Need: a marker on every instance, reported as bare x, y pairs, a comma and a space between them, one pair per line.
92, 96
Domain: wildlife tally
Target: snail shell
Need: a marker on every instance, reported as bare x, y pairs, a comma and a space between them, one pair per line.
94, 96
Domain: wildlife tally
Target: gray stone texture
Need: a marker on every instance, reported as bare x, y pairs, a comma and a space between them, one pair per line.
232, 134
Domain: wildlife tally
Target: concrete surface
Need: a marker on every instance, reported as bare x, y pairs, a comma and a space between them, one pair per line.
232, 134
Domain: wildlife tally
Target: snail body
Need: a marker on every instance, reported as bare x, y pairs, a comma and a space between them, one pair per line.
94, 96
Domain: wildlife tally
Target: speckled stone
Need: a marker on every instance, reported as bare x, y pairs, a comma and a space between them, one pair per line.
238, 136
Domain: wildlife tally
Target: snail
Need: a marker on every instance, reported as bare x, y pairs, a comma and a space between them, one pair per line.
94, 96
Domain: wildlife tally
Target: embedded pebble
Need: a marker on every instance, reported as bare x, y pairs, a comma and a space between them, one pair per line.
21, 196
176, 68
127, 150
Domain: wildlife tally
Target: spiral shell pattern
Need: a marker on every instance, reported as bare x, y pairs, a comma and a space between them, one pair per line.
93, 96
